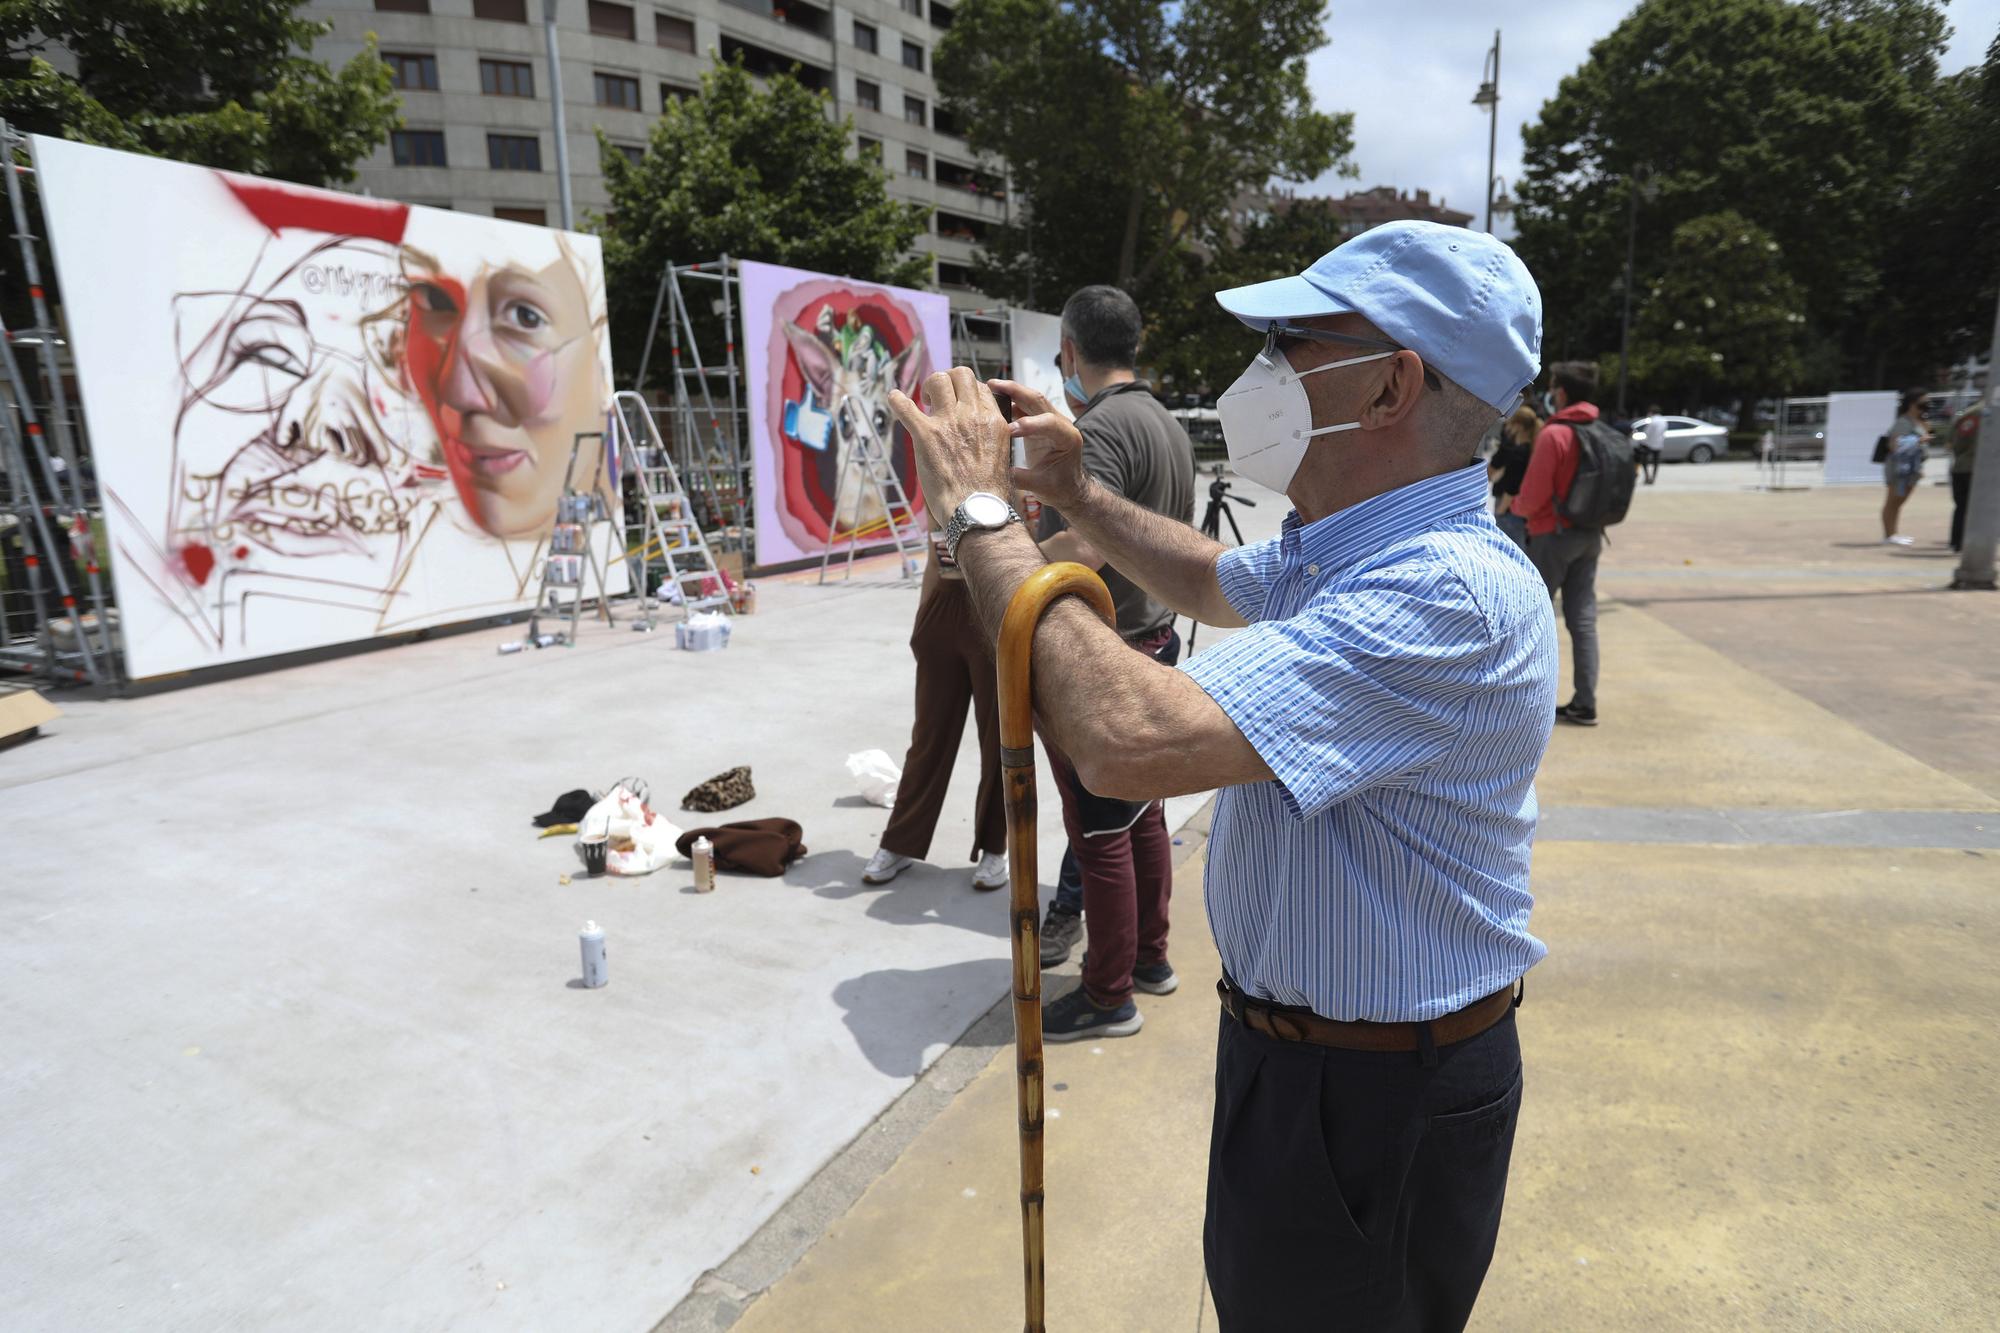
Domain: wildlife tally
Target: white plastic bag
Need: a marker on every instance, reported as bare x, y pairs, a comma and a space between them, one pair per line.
878, 775
640, 841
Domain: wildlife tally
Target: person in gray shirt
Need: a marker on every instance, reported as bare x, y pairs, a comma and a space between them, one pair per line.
1122, 848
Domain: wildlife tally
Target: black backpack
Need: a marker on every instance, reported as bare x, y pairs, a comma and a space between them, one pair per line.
1607, 472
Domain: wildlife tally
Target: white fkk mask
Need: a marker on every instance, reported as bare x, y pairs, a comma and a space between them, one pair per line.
1267, 418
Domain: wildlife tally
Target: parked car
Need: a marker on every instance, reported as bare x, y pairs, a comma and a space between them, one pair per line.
1688, 440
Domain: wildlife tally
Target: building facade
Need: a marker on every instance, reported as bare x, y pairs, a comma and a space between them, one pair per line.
478, 133
1362, 209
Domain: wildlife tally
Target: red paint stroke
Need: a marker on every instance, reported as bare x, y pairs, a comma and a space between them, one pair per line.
279, 206
198, 561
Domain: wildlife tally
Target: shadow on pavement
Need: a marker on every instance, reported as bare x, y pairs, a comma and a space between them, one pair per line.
885, 1010
923, 895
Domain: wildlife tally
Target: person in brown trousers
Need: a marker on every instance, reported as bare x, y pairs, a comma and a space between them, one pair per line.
954, 669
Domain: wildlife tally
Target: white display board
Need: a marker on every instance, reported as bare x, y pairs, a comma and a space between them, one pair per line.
1035, 340
317, 418
1854, 422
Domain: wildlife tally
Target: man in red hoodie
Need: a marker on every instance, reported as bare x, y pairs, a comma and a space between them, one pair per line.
1567, 556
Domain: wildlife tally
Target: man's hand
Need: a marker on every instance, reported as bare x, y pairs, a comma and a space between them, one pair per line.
962, 443
1054, 447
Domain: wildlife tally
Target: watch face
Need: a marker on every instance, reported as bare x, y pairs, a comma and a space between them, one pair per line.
985, 511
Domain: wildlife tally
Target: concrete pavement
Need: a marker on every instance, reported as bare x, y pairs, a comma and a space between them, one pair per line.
1759, 1056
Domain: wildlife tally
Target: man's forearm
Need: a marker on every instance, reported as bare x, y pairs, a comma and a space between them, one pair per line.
1169, 559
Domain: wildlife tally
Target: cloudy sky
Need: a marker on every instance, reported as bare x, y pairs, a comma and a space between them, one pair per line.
1408, 72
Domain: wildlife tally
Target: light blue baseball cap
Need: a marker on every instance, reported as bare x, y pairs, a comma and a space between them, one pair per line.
1460, 299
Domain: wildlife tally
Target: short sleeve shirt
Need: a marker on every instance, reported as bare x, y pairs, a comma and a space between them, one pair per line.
1398, 676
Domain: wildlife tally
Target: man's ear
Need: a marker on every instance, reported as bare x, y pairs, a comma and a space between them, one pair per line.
1402, 387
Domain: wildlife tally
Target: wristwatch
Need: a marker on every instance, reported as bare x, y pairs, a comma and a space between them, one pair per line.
981, 509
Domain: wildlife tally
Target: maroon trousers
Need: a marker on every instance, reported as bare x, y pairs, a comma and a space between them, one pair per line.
953, 670
1127, 880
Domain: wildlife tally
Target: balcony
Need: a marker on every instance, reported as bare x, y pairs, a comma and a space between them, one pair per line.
959, 227
797, 14
982, 185
763, 62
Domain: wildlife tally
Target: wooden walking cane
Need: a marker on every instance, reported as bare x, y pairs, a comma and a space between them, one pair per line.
1017, 762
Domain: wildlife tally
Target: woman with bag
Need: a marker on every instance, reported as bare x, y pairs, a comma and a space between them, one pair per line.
1903, 462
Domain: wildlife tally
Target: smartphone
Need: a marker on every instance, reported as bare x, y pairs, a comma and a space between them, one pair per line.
1006, 403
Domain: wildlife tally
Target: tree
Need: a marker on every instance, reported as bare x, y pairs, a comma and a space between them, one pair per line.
1801, 117
753, 174
1194, 342
1135, 128
1723, 319
221, 83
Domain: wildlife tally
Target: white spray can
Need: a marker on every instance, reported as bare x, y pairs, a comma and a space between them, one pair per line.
703, 855
596, 971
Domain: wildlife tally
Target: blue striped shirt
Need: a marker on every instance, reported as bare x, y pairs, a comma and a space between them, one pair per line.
1399, 677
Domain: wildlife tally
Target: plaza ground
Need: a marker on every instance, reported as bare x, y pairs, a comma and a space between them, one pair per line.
285, 973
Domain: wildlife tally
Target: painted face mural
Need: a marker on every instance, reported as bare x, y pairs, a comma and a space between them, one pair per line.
316, 417
504, 351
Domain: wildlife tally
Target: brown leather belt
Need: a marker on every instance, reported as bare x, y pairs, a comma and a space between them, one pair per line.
1286, 1023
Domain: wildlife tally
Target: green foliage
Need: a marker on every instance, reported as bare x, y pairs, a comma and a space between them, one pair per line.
1802, 118
1195, 342
1723, 319
222, 83
755, 174
1134, 128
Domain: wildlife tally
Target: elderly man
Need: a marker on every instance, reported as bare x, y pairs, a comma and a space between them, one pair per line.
1375, 732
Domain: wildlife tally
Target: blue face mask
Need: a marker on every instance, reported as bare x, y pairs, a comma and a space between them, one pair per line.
1074, 386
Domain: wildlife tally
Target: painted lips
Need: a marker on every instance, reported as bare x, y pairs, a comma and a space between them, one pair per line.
493, 462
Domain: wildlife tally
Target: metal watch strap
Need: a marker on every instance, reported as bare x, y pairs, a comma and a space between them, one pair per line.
955, 530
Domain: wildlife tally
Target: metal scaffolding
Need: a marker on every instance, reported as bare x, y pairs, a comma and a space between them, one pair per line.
47, 631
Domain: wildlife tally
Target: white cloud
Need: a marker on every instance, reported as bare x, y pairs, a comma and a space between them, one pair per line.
1408, 72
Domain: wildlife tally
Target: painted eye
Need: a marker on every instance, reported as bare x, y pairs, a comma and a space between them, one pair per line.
526, 317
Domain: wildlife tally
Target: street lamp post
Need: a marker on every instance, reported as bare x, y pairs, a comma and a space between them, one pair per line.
1488, 96
556, 99
1641, 182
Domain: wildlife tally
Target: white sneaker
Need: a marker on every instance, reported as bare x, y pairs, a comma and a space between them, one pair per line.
884, 866
991, 872
1899, 540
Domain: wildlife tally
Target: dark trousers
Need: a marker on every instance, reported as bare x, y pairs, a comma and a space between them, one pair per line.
954, 670
1961, 494
1356, 1189
1568, 562
1128, 879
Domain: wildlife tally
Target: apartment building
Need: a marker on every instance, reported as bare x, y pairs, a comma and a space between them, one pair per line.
479, 134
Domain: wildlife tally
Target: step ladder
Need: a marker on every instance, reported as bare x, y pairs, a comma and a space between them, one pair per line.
869, 465
572, 555
669, 539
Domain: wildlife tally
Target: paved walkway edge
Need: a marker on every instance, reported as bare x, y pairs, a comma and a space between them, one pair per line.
722, 1294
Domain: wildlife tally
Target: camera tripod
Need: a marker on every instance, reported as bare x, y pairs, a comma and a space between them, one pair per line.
1211, 527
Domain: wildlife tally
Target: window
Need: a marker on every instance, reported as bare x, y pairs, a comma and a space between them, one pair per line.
506, 78
866, 39
945, 123
913, 110
403, 6
632, 152
619, 90
914, 7
673, 32
866, 147
868, 96
538, 216
417, 148
501, 11
674, 92
959, 227
953, 275
913, 55
917, 164
416, 72
941, 15
513, 152
610, 20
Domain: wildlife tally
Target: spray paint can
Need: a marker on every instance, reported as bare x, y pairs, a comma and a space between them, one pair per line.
547, 640
703, 853
596, 970
514, 647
